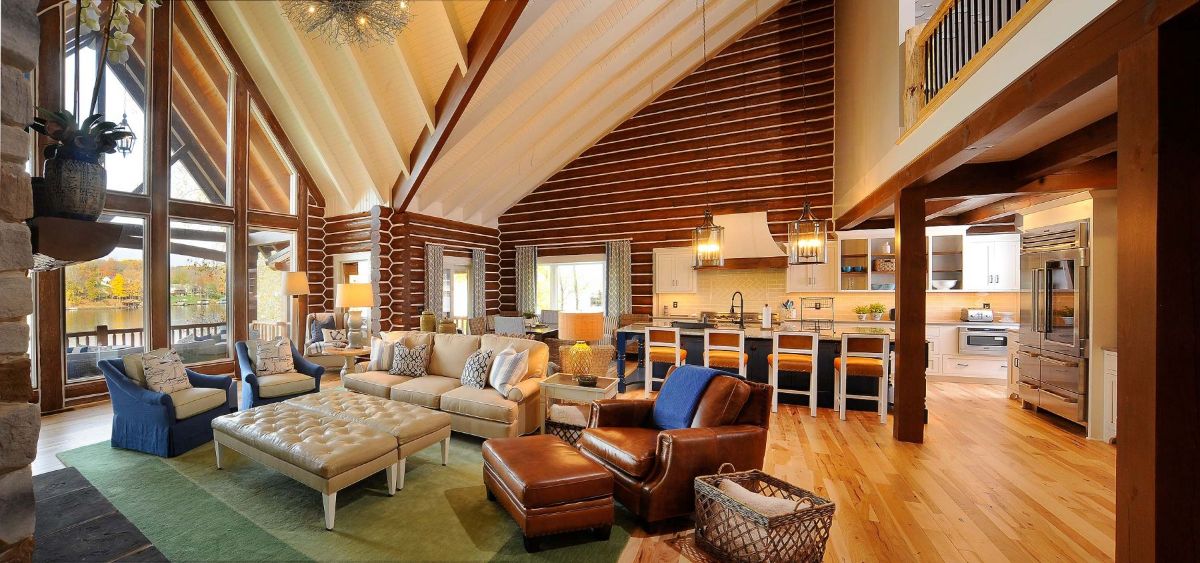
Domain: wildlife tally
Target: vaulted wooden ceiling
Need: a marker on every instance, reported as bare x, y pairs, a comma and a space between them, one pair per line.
569, 72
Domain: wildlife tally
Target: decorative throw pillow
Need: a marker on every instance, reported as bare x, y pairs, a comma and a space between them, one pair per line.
334, 337
760, 503
317, 327
475, 371
381, 355
409, 361
508, 369
273, 356
164, 371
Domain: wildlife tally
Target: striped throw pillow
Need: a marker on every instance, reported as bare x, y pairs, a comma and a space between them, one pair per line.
508, 369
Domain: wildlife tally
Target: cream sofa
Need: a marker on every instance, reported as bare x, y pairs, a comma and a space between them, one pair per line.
479, 412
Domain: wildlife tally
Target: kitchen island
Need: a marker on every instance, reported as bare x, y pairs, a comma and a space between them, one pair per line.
758, 346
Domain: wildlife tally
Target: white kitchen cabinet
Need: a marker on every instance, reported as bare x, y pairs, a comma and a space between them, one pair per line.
991, 263
1110, 395
815, 277
673, 272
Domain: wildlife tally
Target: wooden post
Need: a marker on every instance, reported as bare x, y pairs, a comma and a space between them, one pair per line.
158, 181
101, 335
908, 424
1158, 393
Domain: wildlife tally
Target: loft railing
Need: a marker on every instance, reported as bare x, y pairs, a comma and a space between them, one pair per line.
960, 36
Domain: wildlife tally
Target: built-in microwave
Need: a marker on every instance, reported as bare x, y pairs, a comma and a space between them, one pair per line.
980, 341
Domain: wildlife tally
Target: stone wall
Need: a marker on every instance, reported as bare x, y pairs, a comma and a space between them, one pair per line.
19, 419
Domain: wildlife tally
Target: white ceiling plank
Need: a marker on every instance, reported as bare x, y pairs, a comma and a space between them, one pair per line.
409, 74
454, 33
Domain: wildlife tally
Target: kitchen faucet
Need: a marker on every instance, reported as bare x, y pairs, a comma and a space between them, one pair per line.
741, 307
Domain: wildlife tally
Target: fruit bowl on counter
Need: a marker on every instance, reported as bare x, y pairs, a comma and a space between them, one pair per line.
943, 285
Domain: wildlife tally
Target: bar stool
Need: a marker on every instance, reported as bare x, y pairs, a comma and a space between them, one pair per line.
794, 352
663, 346
863, 355
726, 348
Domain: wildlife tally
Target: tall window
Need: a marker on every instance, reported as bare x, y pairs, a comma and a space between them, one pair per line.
269, 258
105, 317
199, 291
576, 286
200, 92
121, 97
456, 289
272, 179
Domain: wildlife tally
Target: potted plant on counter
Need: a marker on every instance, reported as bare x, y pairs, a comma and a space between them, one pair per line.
877, 310
74, 181
862, 311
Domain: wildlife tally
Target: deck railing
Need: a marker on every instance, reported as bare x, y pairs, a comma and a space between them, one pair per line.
134, 337
959, 37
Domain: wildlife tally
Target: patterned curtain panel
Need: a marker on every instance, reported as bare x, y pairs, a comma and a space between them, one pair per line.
618, 273
478, 282
526, 279
434, 271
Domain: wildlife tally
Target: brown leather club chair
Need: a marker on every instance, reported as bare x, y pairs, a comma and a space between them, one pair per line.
653, 470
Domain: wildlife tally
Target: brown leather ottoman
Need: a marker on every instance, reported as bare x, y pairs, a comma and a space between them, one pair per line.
547, 486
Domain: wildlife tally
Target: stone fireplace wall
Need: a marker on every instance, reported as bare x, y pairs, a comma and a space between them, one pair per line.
19, 419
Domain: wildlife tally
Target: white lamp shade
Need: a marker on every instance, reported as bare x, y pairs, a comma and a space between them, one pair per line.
353, 295
295, 283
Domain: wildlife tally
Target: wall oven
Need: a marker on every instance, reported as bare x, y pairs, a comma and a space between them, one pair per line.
1052, 358
978, 341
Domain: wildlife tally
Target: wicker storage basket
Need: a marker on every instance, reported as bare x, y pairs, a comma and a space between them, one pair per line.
568, 432
733, 532
885, 264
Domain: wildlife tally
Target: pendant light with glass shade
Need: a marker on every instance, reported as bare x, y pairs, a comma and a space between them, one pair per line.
806, 238
708, 239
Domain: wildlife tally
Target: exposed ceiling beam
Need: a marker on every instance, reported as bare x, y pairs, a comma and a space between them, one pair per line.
1083, 62
992, 229
493, 29
996, 178
937, 207
408, 73
454, 33
1006, 207
1096, 174
1091, 142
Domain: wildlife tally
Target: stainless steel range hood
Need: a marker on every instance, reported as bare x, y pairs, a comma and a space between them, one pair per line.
747, 236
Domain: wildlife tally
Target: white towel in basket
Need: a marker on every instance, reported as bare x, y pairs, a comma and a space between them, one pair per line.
575, 415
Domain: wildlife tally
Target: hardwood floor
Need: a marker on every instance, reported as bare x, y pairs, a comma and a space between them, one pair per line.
991, 482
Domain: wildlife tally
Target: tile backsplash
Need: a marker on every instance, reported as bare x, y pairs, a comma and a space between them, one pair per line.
714, 288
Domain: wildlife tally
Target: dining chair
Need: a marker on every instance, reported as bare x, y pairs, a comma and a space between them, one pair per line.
663, 345
794, 352
863, 355
549, 317
510, 325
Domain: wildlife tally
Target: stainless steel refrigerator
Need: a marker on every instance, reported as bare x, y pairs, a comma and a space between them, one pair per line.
1052, 357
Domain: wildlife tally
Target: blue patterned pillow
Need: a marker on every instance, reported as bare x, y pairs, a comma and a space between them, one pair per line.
410, 361
315, 334
475, 371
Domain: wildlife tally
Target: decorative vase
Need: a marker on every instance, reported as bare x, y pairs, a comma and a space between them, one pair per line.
877, 316
71, 188
428, 321
586, 380
446, 326
862, 316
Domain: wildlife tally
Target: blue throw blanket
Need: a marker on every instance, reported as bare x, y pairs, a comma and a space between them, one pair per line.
680, 395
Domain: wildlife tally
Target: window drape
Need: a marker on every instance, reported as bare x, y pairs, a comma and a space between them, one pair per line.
618, 274
526, 263
434, 272
478, 282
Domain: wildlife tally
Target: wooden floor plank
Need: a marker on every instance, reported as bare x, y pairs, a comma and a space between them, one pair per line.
992, 482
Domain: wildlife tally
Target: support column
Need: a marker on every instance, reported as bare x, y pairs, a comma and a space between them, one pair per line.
908, 424
1158, 394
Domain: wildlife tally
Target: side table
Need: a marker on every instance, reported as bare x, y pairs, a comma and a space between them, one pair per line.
348, 355
563, 387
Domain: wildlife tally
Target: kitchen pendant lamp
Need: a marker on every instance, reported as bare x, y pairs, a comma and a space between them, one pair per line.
707, 243
806, 238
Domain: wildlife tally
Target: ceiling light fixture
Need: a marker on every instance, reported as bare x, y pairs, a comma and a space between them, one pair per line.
365, 22
806, 238
708, 238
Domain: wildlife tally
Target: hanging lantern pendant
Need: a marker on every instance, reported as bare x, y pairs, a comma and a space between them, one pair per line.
707, 242
806, 239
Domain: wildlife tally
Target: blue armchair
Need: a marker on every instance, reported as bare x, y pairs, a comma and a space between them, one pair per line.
262, 390
146, 421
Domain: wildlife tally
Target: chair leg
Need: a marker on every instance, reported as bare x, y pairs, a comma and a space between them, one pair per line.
883, 400
774, 382
842, 410
648, 379
329, 503
812, 391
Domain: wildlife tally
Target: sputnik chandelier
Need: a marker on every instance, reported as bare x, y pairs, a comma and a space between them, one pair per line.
365, 22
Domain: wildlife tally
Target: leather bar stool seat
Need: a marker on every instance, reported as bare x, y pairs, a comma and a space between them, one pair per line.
726, 359
665, 354
865, 367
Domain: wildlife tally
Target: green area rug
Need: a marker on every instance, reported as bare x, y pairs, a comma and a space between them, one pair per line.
247, 512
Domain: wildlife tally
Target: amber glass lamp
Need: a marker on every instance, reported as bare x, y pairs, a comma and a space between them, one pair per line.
582, 328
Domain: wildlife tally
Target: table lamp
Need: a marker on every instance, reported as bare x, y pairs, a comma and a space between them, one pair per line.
295, 284
582, 328
349, 296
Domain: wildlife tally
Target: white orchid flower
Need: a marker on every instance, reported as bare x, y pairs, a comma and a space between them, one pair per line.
90, 18
134, 6
121, 38
118, 51
120, 20
154, 3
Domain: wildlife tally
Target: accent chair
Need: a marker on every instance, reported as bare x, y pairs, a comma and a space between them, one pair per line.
262, 390
162, 424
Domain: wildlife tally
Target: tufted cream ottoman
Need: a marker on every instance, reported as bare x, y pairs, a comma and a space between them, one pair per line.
414, 427
324, 452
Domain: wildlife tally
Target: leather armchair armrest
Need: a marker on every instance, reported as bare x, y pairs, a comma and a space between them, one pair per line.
526, 389
621, 413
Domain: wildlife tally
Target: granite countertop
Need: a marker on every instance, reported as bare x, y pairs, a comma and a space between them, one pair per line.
757, 333
955, 323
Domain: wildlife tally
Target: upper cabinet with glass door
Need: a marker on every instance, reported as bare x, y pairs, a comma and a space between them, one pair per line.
200, 93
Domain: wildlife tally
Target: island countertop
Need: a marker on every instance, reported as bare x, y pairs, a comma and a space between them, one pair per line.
758, 333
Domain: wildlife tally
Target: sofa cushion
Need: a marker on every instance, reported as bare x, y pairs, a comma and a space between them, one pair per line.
410, 338
508, 369
410, 361
134, 369
721, 402
404, 421
539, 353
195, 400
376, 383
424, 391
273, 356
450, 352
486, 404
632, 450
319, 322
475, 372
164, 371
282, 384
381, 355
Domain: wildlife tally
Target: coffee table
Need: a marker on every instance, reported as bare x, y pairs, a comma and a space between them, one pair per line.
563, 387
348, 355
